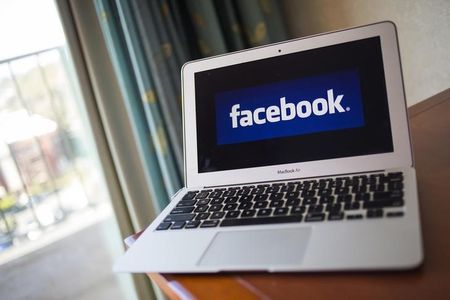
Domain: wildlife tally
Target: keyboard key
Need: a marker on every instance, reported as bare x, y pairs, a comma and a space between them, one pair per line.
344, 198
229, 193
209, 223
264, 212
383, 203
276, 203
215, 207
202, 216
387, 195
176, 218
190, 195
351, 206
376, 187
395, 214
260, 221
359, 189
373, 180
245, 205
352, 181
393, 177
260, 204
217, 201
354, 217
215, 194
326, 199
341, 190
201, 208
230, 206
333, 207
383, 179
202, 195
203, 201
217, 215
292, 202
298, 210
335, 216
280, 211
324, 192
312, 181
308, 201
261, 197
315, 208
262, 185
322, 182
338, 183
246, 198
258, 191
375, 213
248, 213
395, 186
292, 195
314, 217
192, 224
287, 188
276, 196
186, 203
273, 189
308, 193
362, 197
164, 226
231, 200
232, 214
178, 225
182, 210
242, 192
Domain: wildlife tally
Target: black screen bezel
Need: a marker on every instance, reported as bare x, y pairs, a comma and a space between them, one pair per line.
374, 138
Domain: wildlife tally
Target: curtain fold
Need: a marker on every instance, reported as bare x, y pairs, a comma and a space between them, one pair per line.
165, 141
122, 64
162, 65
210, 39
150, 40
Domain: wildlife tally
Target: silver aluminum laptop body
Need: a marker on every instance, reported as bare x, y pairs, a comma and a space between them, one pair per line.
336, 148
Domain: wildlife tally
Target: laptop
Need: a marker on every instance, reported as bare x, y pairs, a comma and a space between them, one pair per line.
297, 158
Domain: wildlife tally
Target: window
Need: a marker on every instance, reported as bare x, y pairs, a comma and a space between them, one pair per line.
54, 205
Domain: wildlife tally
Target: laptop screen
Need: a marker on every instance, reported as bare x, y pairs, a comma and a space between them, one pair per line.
318, 104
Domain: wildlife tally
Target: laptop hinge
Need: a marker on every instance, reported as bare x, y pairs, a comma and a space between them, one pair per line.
299, 178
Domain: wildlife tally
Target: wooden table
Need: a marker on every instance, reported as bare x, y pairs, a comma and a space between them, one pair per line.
430, 129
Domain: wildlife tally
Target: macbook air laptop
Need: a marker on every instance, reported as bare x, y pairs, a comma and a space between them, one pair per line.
297, 158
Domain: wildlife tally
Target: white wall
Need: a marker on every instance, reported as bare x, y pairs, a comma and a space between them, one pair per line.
423, 28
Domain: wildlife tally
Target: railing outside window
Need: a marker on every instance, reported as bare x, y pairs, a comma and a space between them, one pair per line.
46, 175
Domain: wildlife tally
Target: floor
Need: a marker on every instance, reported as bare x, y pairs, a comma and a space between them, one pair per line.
75, 267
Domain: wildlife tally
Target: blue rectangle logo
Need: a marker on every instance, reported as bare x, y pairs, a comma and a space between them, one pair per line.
288, 108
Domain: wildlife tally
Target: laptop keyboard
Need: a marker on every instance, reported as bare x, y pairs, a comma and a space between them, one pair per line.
325, 199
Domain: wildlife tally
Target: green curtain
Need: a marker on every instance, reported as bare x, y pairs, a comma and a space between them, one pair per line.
149, 41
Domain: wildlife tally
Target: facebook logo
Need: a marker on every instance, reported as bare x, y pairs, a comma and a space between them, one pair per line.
287, 108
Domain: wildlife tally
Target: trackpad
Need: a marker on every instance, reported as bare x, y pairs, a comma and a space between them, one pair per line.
257, 247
